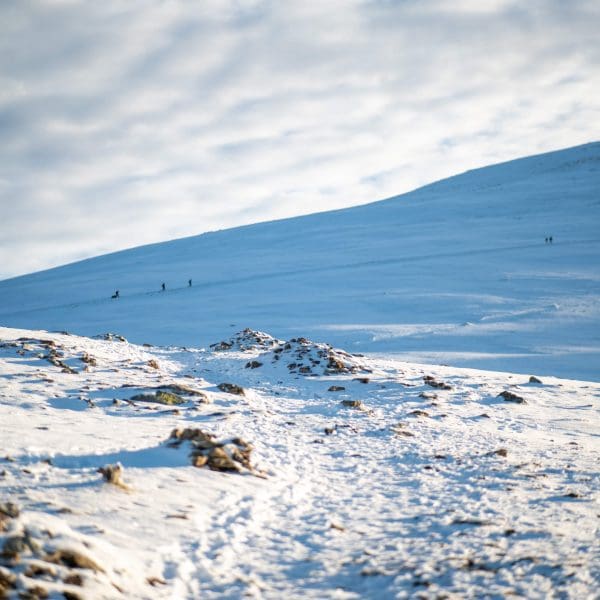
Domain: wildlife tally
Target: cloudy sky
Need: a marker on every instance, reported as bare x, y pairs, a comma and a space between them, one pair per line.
129, 122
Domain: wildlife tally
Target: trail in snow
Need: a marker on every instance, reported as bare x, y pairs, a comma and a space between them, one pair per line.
411, 480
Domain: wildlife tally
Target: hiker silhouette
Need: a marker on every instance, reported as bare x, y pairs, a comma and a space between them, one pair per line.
163, 287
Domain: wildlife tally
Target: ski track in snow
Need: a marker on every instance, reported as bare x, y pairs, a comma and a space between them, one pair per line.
418, 491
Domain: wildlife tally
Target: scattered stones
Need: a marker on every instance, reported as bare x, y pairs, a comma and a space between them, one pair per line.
470, 521
336, 388
88, 359
73, 559
114, 474
247, 340
418, 413
110, 337
428, 395
231, 388
511, 397
503, 452
231, 455
432, 382
160, 397
400, 429
357, 404
253, 364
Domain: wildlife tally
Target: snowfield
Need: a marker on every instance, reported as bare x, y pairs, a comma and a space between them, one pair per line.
457, 273
398, 400
367, 478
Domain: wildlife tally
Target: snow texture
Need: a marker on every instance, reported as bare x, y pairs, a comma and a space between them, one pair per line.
369, 478
275, 429
457, 273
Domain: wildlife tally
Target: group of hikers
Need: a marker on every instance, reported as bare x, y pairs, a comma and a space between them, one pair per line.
163, 288
548, 240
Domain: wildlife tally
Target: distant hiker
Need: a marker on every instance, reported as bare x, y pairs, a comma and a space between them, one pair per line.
550, 239
163, 287
189, 283
116, 294
545, 240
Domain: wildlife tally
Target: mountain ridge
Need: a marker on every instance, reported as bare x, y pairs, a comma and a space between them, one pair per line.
457, 269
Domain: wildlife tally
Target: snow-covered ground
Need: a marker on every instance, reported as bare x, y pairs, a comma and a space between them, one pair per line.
368, 478
457, 273
195, 462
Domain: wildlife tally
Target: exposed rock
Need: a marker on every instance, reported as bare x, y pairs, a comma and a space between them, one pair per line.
114, 474
110, 337
534, 379
160, 397
400, 429
8, 581
13, 546
253, 364
432, 382
353, 404
336, 388
153, 364
88, 359
9, 509
226, 455
231, 388
247, 340
418, 413
503, 452
362, 379
511, 397
73, 559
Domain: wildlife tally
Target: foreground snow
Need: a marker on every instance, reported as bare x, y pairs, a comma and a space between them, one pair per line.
412, 480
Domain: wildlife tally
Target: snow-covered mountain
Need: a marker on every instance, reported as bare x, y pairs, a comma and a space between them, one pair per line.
457, 272
210, 460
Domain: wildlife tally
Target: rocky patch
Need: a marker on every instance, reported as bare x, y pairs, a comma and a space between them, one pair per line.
433, 382
511, 397
231, 388
231, 455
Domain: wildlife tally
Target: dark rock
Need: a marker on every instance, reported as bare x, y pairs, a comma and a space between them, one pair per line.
418, 413
253, 364
534, 379
113, 474
88, 359
160, 397
231, 388
432, 382
353, 404
336, 388
511, 397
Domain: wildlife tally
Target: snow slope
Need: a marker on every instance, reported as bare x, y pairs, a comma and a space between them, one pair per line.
369, 478
457, 273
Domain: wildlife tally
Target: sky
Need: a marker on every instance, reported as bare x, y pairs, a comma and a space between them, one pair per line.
126, 123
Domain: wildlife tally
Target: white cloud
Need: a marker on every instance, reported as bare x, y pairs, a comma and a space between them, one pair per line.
127, 123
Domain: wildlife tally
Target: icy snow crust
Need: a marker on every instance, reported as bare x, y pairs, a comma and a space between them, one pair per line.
369, 478
456, 273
